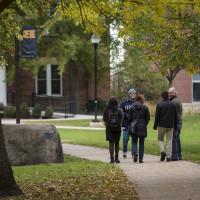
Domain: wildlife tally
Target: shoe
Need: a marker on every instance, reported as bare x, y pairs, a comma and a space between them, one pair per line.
162, 156
117, 160
135, 157
141, 161
168, 159
174, 159
124, 155
112, 160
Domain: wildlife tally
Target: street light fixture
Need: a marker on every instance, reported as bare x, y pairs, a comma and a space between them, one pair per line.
95, 40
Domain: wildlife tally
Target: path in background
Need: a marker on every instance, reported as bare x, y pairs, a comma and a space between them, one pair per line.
57, 117
153, 180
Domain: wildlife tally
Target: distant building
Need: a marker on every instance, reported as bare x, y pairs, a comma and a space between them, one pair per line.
188, 88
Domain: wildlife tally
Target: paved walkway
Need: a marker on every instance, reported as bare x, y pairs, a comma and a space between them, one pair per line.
153, 180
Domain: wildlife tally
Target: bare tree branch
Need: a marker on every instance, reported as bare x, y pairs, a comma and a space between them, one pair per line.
81, 12
4, 4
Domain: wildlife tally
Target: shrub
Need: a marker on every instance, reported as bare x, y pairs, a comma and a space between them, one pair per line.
36, 112
49, 112
24, 110
10, 111
100, 106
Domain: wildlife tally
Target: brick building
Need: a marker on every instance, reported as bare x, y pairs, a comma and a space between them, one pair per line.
69, 91
188, 87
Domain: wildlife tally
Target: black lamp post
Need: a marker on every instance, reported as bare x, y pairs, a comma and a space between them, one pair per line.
95, 40
17, 80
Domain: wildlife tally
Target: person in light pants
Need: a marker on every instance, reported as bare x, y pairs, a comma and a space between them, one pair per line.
169, 135
166, 118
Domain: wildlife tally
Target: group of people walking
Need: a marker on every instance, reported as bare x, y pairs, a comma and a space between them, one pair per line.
132, 116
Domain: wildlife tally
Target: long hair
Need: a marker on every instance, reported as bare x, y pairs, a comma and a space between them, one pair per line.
140, 98
112, 104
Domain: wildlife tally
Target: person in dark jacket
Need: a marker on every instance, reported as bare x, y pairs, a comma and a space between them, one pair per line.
140, 112
166, 121
126, 106
113, 118
176, 143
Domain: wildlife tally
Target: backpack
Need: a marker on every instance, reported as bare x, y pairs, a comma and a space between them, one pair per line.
114, 120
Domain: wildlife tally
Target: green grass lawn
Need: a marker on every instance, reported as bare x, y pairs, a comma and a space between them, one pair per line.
74, 179
190, 138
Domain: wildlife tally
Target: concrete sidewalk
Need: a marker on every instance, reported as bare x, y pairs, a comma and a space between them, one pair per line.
153, 180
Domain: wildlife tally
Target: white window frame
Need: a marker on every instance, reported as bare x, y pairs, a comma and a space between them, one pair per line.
48, 82
194, 81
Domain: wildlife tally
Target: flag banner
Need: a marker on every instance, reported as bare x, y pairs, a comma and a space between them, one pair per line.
29, 42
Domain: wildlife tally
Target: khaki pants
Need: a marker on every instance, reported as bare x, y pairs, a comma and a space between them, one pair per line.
169, 135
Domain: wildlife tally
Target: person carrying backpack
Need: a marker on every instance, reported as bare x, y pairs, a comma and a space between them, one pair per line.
113, 118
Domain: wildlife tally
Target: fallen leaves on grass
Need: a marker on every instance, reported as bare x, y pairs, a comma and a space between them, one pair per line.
108, 185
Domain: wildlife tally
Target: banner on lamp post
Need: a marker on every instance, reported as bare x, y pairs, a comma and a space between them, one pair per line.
29, 42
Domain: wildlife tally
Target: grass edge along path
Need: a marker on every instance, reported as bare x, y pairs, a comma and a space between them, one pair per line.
74, 179
190, 136
96, 138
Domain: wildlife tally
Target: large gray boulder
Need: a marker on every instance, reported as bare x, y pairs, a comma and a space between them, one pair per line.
32, 144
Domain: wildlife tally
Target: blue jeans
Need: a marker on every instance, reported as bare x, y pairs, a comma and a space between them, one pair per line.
141, 146
125, 139
176, 145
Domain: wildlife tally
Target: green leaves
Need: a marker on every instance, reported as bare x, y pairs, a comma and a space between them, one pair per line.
167, 31
169, 37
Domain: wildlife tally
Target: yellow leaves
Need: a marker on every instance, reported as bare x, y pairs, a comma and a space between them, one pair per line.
90, 14
109, 183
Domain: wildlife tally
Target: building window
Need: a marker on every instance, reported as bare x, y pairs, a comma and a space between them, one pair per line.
42, 81
49, 81
55, 80
196, 87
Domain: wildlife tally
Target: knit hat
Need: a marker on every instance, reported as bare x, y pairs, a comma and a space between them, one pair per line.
132, 91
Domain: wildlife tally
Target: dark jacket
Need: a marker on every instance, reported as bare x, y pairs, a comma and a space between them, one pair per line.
141, 112
126, 106
179, 110
166, 115
109, 134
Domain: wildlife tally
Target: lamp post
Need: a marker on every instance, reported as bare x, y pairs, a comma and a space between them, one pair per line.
17, 81
95, 40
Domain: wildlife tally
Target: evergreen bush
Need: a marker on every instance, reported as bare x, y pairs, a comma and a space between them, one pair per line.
10, 111
36, 112
48, 112
24, 110
101, 105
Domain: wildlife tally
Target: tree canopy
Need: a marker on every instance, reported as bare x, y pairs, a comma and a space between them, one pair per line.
168, 36
167, 31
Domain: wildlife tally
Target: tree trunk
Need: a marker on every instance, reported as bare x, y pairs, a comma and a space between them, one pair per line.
8, 185
170, 82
